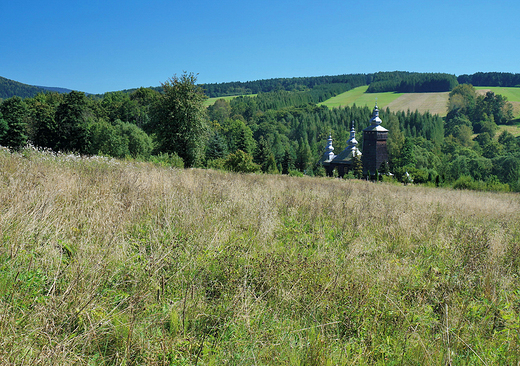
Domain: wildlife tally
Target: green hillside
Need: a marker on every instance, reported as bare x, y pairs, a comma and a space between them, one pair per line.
435, 103
10, 88
359, 97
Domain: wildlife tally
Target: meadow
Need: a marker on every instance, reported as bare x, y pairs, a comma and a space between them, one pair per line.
107, 262
360, 98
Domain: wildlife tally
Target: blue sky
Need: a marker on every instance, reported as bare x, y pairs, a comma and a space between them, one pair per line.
99, 46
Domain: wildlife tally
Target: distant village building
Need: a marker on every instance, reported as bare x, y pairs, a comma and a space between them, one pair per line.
375, 151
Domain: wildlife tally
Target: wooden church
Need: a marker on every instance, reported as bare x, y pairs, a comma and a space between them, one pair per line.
374, 154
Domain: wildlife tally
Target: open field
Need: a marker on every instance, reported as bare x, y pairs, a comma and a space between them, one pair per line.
360, 98
104, 262
433, 102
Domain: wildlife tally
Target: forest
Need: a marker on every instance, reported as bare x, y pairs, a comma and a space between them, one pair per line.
280, 131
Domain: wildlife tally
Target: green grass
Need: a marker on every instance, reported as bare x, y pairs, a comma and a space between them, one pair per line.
512, 94
211, 101
106, 262
360, 98
433, 102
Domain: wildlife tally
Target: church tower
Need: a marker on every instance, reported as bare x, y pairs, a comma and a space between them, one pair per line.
375, 151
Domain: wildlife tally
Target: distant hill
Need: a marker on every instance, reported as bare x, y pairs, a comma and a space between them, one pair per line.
10, 88
53, 89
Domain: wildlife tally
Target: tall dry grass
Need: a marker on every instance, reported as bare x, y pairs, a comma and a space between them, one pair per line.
110, 262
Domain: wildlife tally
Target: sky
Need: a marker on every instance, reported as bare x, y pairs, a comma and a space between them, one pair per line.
100, 46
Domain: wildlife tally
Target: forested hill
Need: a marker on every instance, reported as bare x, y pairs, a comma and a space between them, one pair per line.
10, 88
55, 89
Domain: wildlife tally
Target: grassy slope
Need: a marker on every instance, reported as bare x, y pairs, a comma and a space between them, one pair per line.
359, 97
211, 101
104, 262
433, 102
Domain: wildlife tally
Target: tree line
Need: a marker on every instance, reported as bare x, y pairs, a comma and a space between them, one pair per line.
410, 82
288, 84
505, 79
274, 132
396, 81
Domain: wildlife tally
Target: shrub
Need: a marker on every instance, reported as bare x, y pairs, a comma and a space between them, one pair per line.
241, 162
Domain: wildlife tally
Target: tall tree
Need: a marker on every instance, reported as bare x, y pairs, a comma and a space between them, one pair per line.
303, 156
15, 114
73, 118
3, 126
43, 130
179, 119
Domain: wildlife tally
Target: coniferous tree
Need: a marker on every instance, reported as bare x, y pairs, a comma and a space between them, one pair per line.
287, 162
217, 147
357, 166
303, 156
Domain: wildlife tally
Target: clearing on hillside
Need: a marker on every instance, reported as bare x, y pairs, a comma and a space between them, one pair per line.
359, 97
435, 103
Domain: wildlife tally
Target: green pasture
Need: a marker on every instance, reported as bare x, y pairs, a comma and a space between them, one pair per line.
359, 97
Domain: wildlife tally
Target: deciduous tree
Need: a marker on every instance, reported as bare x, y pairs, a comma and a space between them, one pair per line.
15, 115
179, 119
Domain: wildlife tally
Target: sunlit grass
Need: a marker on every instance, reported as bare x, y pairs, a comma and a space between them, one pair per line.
112, 262
360, 98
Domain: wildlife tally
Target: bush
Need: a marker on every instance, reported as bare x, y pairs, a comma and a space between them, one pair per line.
464, 182
164, 159
295, 173
217, 164
241, 162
